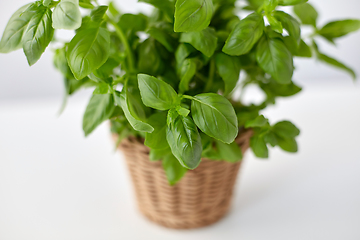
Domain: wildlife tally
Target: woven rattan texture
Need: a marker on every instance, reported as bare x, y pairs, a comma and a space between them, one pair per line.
201, 198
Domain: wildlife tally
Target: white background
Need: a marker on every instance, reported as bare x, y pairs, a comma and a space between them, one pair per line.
55, 184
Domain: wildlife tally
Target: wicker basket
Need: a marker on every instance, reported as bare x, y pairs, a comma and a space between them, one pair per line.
201, 198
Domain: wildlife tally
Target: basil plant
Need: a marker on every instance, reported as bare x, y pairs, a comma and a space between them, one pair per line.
169, 78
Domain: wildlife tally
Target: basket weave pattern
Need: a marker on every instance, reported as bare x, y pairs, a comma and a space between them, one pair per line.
201, 198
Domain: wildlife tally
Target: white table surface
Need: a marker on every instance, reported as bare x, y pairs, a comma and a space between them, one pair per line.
56, 185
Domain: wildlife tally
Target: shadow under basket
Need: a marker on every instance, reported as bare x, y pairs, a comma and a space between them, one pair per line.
202, 197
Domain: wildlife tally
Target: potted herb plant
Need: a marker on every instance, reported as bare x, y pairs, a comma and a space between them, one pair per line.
167, 81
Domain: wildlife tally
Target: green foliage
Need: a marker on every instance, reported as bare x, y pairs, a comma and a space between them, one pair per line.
338, 29
172, 78
245, 35
185, 141
88, 50
156, 93
192, 15
215, 116
38, 33
173, 169
67, 15
275, 59
307, 14
205, 41
99, 109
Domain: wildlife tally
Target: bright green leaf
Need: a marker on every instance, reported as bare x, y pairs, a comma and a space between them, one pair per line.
99, 109
98, 13
204, 41
156, 93
289, 145
38, 33
88, 50
291, 25
229, 152
285, 129
229, 70
338, 29
185, 141
67, 15
244, 36
187, 72
156, 139
173, 169
134, 113
275, 59
259, 121
258, 146
291, 2
307, 13
192, 15
215, 116
14, 30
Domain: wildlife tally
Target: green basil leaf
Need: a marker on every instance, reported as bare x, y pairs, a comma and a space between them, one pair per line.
204, 41
61, 63
258, 146
155, 139
283, 90
275, 24
171, 116
182, 111
275, 59
173, 169
229, 70
338, 29
229, 152
159, 154
88, 50
187, 72
289, 144
99, 109
185, 141
303, 50
271, 138
285, 129
291, 25
215, 116
192, 15
149, 59
131, 23
307, 13
183, 51
14, 30
67, 15
102, 88
134, 113
164, 5
259, 121
98, 13
46, 3
244, 36
156, 93
38, 33
335, 63
291, 2
270, 5
117, 99
86, 4
162, 37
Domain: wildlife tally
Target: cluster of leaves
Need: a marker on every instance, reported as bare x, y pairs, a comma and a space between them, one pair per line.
170, 77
